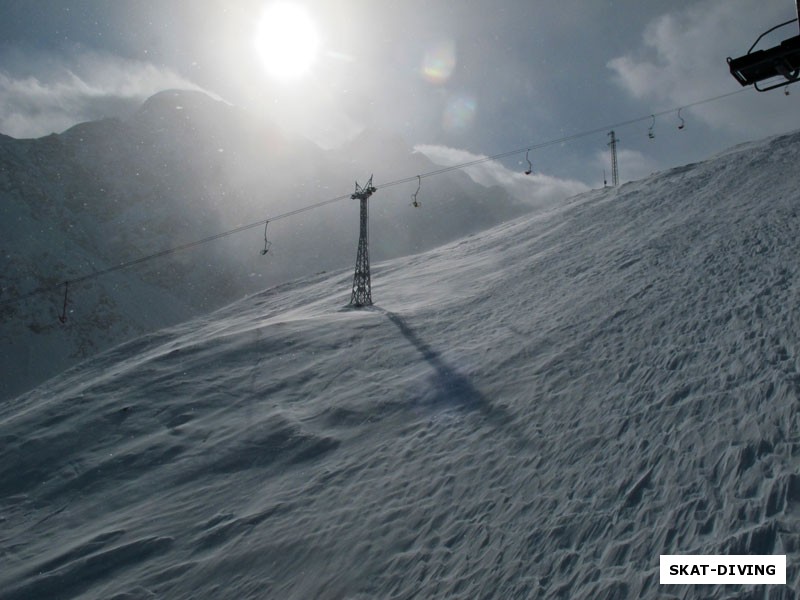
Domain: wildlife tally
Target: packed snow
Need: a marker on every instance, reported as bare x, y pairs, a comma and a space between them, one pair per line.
536, 411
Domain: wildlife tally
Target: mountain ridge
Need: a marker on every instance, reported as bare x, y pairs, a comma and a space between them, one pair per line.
184, 167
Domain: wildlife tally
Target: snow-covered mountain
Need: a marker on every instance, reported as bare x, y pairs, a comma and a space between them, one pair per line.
183, 168
536, 411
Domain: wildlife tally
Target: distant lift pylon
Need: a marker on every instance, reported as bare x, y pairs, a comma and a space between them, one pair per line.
781, 61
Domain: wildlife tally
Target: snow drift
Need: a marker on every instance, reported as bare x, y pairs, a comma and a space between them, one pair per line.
537, 411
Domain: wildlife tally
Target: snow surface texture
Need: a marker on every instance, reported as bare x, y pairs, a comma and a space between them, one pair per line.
538, 411
182, 168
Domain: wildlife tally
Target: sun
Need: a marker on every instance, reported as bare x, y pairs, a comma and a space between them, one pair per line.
286, 41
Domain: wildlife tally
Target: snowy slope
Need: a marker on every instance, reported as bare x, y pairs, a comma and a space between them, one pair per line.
538, 411
183, 168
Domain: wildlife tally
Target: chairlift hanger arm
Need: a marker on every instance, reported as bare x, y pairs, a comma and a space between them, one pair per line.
267, 243
768, 31
414, 202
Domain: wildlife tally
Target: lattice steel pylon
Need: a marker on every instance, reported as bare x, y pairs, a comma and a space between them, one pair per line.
614, 167
362, 286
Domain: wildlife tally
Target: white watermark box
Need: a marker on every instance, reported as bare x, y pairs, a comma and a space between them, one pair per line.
715, 569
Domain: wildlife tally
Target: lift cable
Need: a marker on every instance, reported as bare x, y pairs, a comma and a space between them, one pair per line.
417, 178
555, 142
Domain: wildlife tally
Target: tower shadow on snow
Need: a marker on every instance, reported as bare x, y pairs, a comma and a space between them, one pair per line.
455, 389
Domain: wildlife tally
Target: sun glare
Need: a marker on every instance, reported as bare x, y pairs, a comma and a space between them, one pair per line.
286, 41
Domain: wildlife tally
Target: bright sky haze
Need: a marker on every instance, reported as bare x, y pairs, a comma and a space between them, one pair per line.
464, 78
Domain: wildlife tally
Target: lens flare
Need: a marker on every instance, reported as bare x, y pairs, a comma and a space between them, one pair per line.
459, 113
439, 62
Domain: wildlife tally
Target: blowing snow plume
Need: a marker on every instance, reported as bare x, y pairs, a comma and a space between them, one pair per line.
186, 167
538, 411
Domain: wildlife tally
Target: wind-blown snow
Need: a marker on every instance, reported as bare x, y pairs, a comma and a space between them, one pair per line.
538, 411
187, 167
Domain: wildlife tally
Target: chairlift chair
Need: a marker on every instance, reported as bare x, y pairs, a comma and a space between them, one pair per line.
414, 202
782, 61
267, 243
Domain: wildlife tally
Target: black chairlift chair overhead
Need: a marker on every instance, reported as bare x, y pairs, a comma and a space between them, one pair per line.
780, 61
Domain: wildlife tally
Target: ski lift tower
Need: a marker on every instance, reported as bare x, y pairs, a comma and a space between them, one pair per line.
362, 290
614, 168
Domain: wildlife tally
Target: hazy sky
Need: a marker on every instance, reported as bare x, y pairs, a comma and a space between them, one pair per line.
463, 77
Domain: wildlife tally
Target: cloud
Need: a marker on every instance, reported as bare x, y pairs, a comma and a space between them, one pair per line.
632, 165
682, 60
65, 90
536, 188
